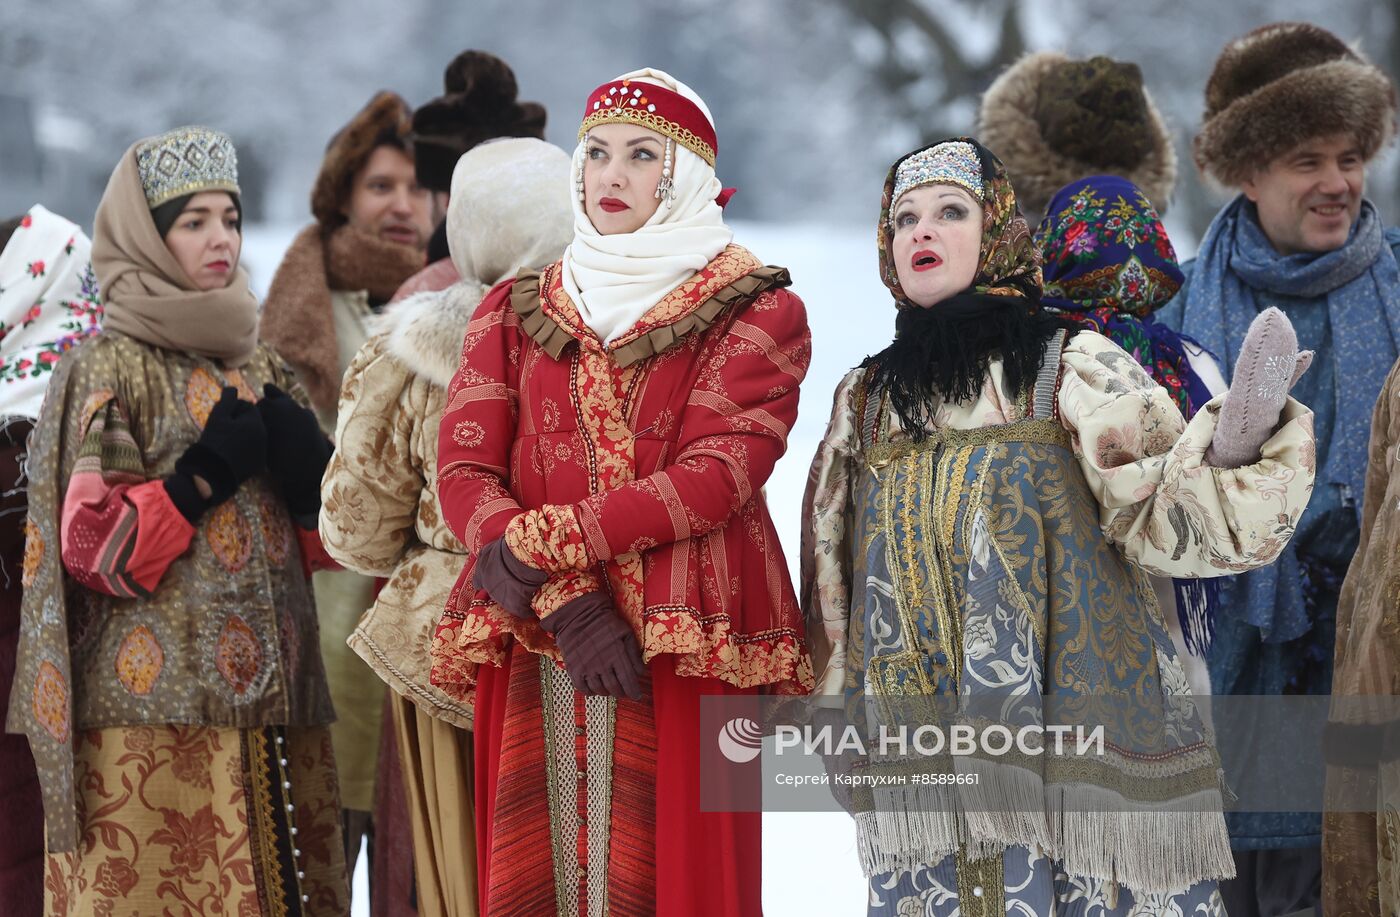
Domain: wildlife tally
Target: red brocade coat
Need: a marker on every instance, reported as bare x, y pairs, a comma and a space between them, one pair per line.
635, 467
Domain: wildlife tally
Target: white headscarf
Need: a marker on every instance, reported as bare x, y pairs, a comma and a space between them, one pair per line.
48, 303
615, 280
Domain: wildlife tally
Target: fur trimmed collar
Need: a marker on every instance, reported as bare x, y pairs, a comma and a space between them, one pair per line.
426, 330
297, 319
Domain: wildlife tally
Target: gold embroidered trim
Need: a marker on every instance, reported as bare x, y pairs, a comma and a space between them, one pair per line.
257, 766
600, 725
1152, 789
981, 885
1048, 432
653, 121
908, 585
561, 779
947, 605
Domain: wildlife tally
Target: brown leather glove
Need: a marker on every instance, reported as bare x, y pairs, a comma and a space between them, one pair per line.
1268, 366
509, 581
600, 651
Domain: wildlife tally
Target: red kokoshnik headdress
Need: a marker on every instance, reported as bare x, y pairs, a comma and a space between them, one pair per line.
656, 108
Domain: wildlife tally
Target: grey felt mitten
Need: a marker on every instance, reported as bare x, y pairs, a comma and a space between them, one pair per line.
1268, 366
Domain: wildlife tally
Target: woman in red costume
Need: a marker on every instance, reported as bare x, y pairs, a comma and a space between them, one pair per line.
602, 456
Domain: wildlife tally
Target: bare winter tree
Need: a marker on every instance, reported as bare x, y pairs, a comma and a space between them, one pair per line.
813, 99
934, 61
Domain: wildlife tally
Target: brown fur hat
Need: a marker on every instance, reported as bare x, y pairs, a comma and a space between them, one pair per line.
478, 104
1283, 84
385, 119
1053, 120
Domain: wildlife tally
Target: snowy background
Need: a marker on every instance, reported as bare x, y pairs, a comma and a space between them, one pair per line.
813, 99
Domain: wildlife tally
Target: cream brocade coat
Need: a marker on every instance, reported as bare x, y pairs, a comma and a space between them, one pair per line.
1167, 512
380, 514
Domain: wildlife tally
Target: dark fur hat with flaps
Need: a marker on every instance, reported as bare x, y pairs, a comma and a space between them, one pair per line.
478, 104
1284, 84
1054, 120
385, 119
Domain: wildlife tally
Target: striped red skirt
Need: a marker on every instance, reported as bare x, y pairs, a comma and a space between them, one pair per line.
589, 806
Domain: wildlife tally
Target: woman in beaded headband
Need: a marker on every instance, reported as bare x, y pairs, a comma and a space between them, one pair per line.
957, 255
168, 658
648, 210
602, 455
980, 511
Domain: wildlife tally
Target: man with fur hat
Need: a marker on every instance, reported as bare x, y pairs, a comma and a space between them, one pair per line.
373, 219
1292, 117
1053, 120
479, 103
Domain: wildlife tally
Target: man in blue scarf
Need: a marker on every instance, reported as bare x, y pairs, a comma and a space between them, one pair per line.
1292, 117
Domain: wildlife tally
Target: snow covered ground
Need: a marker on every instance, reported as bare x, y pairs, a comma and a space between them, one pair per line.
809, 860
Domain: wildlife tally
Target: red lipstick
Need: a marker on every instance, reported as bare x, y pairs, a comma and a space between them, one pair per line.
218, 267
613, 205
925, 260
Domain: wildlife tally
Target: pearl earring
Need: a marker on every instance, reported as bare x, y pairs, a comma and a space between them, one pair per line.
666, 189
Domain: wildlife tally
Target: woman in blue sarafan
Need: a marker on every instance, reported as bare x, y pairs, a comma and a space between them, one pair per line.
991, 494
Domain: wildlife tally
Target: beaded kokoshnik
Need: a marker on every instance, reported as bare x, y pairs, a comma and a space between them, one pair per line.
186, 160
656, 108
951, 163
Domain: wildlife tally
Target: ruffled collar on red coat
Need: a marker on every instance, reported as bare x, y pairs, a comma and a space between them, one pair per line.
550, 317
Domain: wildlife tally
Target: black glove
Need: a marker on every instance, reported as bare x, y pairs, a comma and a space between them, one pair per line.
297, 453
232, 449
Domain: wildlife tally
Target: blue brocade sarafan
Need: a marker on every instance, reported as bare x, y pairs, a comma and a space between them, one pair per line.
985, 593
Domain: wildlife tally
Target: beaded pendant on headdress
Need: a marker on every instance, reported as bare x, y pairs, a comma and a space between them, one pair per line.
186, 160
655, 108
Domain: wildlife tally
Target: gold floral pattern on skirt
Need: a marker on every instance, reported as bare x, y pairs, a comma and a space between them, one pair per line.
236, 378
201, 394
169, 825
205, 389
277, 534
33, 553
